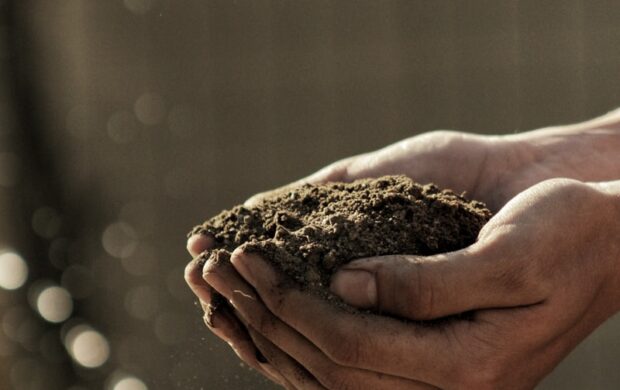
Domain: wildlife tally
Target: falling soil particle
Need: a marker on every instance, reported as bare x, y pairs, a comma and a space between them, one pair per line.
308, 232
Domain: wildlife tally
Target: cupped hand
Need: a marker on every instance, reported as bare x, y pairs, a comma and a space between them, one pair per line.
489, 168
220, 318
462, 156
542, 276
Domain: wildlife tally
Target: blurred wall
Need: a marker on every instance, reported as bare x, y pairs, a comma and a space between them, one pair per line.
155, 114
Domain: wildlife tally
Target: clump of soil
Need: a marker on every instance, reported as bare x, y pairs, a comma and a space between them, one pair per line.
310, 231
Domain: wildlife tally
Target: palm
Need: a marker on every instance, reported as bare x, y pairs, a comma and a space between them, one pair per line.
451, 160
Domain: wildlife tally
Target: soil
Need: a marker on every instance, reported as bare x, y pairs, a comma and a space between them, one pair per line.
308, 232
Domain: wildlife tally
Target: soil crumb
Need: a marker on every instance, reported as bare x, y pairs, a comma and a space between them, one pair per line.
308, 232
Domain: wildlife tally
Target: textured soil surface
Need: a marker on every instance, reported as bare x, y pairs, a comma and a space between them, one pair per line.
309, 231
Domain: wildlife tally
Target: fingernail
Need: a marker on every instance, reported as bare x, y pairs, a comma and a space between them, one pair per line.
355, 287
198, 242
238, 259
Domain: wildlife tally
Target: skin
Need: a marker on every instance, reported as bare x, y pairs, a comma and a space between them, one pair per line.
543, 274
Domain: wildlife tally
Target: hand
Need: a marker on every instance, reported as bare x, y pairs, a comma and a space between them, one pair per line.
542, 276
415, 157
490, 168
224, 322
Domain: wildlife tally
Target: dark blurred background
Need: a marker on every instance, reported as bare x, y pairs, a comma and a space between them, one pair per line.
125, 122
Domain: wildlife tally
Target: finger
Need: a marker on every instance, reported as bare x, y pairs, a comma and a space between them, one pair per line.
219, 319
198, 243
318, 365
242, 296
335, 346
225, 325
209, 299
295, 375
193, 278
423, 288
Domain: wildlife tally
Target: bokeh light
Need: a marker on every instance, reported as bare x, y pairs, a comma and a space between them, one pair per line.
150, 109
129, 383
13, 270
119, 239
139, 7
88, 347
54, 304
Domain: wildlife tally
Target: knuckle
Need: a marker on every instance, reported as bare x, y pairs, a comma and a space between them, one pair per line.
275, 301
512, 279
337, 380
421, 292
265, 324
339, 170
527, 278
344, 355
409, 288
516, 273
344, 350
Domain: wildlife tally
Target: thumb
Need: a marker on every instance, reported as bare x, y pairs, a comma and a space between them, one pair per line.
423, 288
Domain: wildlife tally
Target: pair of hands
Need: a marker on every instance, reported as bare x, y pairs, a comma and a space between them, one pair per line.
542, 275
